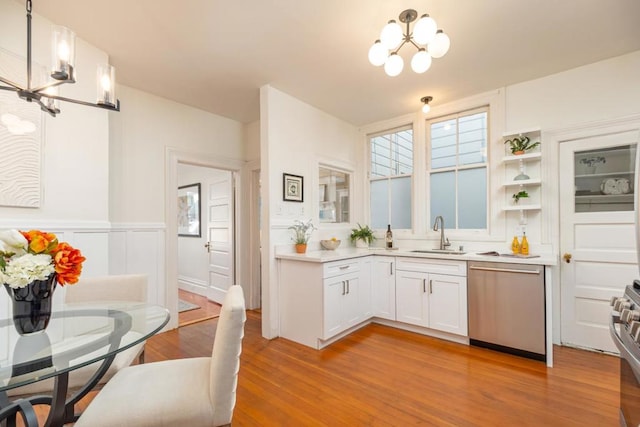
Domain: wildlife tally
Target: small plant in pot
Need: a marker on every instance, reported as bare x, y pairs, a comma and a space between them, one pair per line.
520, 144
302, 232
362, 236
520, 195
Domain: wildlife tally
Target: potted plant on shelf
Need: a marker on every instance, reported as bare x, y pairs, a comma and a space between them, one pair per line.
519, 144
520, 195
362, 236
302, 232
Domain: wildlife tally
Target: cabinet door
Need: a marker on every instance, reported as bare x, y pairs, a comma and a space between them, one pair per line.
383, 288
448, 303
341, 305
412, 297
364, 289
334, 291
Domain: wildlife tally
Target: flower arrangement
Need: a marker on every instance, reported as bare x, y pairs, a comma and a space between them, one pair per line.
26, 256
302, 231
519, 195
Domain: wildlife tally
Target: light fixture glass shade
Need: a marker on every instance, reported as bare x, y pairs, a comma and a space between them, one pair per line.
378, 54
64, 53
426, 108
106, 85
421, 61
394, 65
440, 45
51, 103
425, 30
391, 35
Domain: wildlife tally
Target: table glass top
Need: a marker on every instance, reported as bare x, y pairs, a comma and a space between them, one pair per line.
77, 335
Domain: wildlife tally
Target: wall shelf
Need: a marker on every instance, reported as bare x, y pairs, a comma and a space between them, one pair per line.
527, 156
522, 208
531, 182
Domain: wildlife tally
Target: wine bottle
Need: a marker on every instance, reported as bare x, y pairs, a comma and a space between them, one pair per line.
389, 237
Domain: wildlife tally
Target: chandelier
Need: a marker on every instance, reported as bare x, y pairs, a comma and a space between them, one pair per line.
426, 37
62, 71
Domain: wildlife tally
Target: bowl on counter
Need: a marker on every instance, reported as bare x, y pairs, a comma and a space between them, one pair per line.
330, 244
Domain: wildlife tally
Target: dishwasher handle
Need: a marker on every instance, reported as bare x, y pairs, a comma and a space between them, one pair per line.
504, 270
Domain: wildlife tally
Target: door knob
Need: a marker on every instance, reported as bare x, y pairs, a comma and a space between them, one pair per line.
567, 258
208, 246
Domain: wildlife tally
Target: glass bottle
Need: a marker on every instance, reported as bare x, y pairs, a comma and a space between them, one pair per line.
389, 237
524, 246
515, 245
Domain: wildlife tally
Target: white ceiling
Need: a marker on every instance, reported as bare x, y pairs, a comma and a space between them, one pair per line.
216, 54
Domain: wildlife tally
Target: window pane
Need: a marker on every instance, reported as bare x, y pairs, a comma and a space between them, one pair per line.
333, 195
443, 197
400, 203
379, 203
473, 139
380, 156
472, 196
443, 144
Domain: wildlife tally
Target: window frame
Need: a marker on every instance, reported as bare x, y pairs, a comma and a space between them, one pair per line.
487, 165
370, 178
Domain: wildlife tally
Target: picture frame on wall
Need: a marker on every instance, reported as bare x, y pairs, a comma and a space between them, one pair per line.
292, 188
189, 210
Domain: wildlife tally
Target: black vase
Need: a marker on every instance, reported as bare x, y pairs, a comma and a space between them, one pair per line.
32, 305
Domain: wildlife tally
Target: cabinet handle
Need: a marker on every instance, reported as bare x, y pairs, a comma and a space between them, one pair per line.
391, 269
344, 267
504, 270
424, 285
343, 287
348, 287
430, 286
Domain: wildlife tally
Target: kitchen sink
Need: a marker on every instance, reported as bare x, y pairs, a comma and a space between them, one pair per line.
438, 251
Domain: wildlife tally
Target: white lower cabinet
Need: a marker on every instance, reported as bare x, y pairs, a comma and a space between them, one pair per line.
341, 304
429, 299
383, 287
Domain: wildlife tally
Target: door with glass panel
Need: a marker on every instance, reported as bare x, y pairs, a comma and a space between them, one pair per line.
597, 237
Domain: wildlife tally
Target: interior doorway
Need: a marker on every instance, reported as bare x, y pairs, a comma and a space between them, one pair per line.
597, 238
206, 245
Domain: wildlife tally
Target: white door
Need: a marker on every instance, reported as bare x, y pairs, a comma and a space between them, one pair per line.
220, 229
448, 303
383, 287
412, 297
597, 237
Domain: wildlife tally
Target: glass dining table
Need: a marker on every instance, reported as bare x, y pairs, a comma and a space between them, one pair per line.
77, 335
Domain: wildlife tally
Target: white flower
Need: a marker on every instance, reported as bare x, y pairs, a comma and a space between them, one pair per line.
12, 241
22, 270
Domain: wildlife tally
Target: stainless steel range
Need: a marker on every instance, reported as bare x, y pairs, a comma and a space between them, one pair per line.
625, 331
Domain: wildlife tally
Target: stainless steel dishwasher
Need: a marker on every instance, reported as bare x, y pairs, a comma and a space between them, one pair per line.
507, 307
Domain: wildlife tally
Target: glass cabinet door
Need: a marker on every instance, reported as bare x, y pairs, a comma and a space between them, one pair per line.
605, 179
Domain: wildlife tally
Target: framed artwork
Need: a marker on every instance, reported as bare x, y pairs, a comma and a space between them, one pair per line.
189, 210
292, 188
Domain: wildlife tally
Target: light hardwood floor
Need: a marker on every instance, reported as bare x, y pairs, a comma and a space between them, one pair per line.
380, 376
207, 309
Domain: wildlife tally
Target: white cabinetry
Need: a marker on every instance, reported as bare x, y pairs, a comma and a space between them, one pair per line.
319, 301
383, 287
432, 293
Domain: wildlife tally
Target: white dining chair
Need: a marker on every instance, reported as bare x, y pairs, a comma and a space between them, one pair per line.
130, 287
182, 392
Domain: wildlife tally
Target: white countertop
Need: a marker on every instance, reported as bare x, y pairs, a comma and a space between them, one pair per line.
348, 253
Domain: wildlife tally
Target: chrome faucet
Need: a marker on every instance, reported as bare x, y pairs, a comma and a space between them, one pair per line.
444, 243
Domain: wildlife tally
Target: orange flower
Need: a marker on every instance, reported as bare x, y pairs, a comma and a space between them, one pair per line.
68, 263
40, 242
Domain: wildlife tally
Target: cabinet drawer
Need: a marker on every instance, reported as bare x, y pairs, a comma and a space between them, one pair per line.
438, 266
341, 267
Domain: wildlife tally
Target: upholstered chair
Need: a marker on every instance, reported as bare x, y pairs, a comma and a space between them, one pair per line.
190, 392
132, 287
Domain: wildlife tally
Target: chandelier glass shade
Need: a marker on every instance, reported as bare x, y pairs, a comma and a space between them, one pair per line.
46, 95
426, 38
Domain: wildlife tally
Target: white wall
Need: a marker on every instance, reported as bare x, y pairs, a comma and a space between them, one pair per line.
295, 136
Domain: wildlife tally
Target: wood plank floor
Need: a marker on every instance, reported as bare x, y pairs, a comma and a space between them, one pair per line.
380, 376
208, 309
383, 376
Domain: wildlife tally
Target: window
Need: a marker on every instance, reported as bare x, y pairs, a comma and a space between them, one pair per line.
390, 179
458, 175
333, 195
